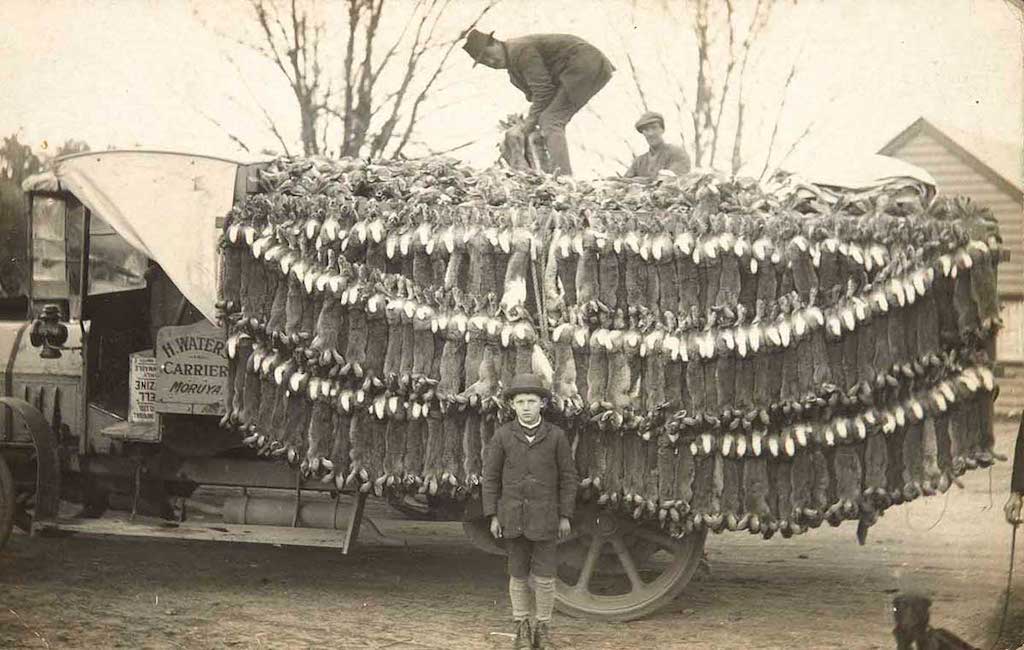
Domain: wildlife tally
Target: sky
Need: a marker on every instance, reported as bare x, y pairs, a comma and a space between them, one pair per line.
150, 73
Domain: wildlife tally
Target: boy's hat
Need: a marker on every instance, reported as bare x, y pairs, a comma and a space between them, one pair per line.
527, 383
475, 43
650, 117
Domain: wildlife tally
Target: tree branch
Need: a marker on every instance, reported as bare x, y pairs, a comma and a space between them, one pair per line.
425, 91
255, 100
701, 107
398, 41
273, 129
608, 129
716, 127
792, 147
636, 82
274, 55
380, 140
826, 110
291, 43
445, 152
757, 22
354, 16
231, 136
778, 119
364, 85
678, 100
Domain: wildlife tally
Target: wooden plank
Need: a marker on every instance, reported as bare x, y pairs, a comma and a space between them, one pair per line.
211, 532
138, 431
354, 522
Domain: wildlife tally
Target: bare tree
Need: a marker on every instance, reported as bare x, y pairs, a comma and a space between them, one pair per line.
726, 33
367, 100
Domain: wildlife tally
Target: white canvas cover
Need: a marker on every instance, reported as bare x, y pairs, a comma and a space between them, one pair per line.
165, 205
859, 172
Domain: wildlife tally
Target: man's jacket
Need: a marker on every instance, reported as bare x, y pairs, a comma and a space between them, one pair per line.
667, 156
539, 63
529, 485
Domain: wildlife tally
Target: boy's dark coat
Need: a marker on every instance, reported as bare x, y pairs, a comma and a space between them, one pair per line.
529, 486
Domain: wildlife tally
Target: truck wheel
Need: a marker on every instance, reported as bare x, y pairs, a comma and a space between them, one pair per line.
7, 504
655, 567
571, 553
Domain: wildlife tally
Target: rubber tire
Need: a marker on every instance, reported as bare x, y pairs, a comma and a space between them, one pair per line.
6, 501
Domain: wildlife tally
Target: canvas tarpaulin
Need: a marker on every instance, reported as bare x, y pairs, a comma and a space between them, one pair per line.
164, 205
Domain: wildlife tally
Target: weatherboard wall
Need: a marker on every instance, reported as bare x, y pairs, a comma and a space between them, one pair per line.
956, 173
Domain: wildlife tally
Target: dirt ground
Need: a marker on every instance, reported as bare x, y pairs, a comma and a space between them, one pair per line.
820, 590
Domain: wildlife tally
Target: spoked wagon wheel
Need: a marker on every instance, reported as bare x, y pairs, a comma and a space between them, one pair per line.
653, 567
631, 571
7, 501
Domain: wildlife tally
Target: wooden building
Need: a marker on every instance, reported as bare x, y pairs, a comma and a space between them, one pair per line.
992, 177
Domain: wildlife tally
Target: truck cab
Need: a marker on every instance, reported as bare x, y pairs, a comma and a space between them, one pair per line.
121, 245
109, 297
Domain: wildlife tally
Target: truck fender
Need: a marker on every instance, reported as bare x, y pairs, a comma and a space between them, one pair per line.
45, 440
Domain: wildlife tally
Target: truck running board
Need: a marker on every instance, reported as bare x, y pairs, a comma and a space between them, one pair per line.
217, 531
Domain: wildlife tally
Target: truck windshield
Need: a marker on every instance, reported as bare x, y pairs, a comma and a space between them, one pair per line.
114, 266
49, 249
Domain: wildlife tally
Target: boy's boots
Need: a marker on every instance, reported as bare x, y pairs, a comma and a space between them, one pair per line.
542, 636
524, 635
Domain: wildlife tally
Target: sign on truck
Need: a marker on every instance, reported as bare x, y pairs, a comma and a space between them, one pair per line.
192, 370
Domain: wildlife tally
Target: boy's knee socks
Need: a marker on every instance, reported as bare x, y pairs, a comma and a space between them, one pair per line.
544, 592
521, 595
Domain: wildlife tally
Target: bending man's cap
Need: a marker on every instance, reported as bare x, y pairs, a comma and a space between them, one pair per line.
476, 41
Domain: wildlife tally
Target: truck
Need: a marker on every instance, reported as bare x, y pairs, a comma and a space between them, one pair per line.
303, 334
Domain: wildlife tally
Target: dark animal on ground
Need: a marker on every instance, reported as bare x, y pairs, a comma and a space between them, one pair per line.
913, 631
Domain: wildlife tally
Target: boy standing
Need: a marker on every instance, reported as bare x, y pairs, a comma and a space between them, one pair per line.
529, 492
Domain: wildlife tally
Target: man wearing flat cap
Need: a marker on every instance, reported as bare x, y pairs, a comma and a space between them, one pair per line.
662, 155
558, 73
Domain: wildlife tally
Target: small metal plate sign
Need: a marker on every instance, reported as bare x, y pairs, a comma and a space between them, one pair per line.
192, 370
142, 378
